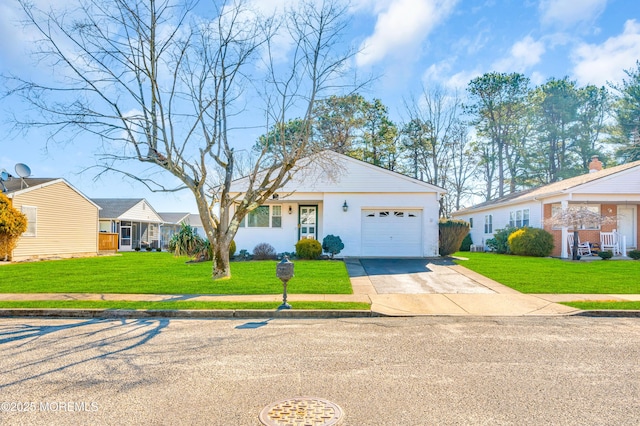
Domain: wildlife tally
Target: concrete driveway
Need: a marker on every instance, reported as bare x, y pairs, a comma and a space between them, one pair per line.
439, 287
419, 276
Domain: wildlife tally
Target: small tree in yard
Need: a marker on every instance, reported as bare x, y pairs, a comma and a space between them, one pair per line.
452, 233
578, 218
12, 225
332, 244
168, 87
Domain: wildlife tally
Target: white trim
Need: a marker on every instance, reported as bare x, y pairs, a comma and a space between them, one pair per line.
51, 182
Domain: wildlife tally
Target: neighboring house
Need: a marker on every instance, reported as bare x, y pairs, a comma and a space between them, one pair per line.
133, 219
376, 212
62, 222
613, 192
172, 223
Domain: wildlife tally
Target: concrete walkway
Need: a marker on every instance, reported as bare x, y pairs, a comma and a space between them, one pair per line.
477, 295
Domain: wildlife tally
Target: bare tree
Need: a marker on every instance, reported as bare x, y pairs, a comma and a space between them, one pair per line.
162, 86
436, 116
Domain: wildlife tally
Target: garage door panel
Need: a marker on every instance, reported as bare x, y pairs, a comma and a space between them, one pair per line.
391, 232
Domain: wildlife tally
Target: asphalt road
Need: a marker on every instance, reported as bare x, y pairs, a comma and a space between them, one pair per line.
383, 371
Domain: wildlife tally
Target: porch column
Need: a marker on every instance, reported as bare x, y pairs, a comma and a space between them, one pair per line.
564, 253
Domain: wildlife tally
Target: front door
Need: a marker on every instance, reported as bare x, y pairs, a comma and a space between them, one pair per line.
308, 226
627, 225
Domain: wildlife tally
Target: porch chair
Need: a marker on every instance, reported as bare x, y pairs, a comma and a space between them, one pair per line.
583, 248
610, 241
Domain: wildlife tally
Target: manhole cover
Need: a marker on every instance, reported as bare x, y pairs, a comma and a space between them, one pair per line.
301, 411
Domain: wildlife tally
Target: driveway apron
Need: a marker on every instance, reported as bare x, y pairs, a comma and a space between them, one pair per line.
419, 276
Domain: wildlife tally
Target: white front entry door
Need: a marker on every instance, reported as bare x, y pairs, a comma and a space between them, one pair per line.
627, 225
390, 232
308, 226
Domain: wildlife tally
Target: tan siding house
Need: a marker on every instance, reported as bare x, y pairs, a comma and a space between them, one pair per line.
62, 221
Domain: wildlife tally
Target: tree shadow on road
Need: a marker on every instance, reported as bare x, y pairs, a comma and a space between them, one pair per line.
68, 344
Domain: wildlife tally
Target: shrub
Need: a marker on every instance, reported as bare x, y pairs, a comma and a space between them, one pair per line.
634, 254
332, 244
531, 242
12, 224
137, 249
500, 241
158, 249
308, 249
244, 254
452, 232
264, 251
232, 249
604, 255
187, 243
466, 243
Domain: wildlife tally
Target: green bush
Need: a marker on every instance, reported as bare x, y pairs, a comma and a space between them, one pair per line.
466, 243
531, 242
232, 249
604, 255
332, 244
308, 249
188, 243
500, 241
452, 232
634, 254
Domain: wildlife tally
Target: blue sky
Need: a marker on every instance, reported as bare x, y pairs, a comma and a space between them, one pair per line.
406, 43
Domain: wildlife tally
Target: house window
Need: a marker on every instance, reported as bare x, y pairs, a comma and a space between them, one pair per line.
262, 216
276, 216
32, 220
488, 224
519, 218
259, 217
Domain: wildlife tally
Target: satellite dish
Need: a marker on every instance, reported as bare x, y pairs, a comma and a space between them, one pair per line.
23, 170
4, 175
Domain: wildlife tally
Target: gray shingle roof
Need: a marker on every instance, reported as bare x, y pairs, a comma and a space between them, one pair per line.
115, 207
16, 184
173, 218
554, 188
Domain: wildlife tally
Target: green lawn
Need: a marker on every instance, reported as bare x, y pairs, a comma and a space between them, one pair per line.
175, 305
545, 275
161, 273
597, 305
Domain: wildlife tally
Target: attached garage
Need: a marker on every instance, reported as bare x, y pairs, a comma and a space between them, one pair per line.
375, 212
392, 232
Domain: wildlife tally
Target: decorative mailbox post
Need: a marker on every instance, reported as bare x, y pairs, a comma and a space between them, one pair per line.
284, 271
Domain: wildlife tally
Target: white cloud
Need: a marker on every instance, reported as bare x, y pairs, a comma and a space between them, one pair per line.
440, 74
402, 27
566, 13
523, 55
599, 63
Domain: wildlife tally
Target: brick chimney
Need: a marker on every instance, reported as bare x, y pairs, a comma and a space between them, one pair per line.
595, 165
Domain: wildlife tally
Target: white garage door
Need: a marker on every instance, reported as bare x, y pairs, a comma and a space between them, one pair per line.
392, 232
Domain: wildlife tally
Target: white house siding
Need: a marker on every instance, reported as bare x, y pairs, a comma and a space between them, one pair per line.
67, 223
501, 216
141, 212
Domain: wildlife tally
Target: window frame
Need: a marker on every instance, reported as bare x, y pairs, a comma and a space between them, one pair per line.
30, 222
488, 224
245, 222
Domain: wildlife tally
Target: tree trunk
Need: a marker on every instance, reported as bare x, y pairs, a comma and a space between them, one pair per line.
574, 256
221, 267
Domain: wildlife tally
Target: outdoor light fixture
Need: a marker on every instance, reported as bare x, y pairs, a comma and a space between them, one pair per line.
290, 210
345, 206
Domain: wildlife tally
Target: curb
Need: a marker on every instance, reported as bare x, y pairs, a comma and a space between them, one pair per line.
611, 313
185, 314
